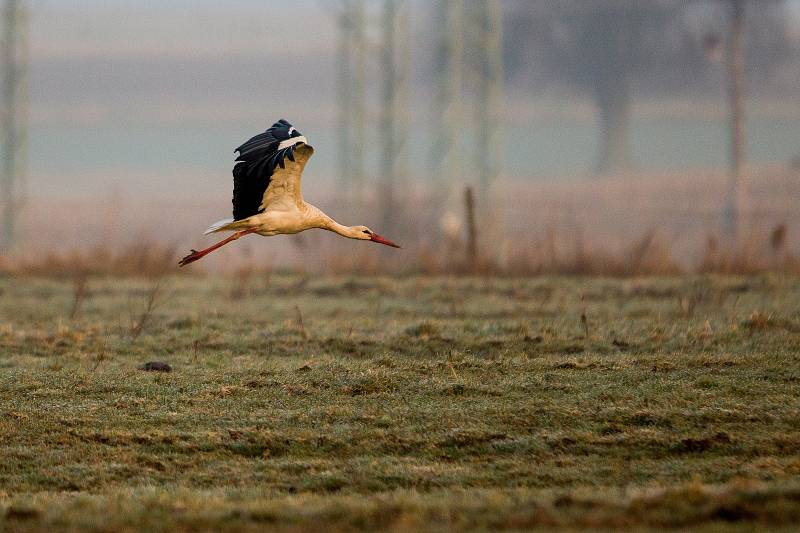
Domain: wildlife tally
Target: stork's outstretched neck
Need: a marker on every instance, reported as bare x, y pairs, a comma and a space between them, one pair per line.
361, 233
318, 219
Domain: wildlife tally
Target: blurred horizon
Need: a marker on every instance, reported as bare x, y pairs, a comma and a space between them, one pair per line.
135, 110
133, 99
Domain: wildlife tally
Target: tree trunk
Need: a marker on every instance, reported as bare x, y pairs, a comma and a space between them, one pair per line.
614, 104
735, 197
611, 41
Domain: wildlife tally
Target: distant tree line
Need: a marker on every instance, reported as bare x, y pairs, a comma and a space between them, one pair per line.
613, 50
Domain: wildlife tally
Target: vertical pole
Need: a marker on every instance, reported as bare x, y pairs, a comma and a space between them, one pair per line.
488, 150
359, 98
387, 120
472, 230
344, 93
14, 134
403, 115
393, 123
735, 194
445, 156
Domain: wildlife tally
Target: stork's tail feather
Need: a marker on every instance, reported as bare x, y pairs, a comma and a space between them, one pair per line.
219, 226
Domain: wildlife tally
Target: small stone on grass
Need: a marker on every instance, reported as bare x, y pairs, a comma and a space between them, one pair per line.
156, 366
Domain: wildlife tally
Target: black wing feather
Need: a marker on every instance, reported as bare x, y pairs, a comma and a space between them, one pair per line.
258, 158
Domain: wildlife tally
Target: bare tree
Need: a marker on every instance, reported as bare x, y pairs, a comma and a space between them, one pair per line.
613, 49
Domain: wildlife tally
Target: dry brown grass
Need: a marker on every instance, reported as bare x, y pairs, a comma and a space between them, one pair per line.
555, 254
758, 254
649, 254
139, 259
153, 297
660, 224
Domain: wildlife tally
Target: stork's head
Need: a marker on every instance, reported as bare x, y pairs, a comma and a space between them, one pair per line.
365, 234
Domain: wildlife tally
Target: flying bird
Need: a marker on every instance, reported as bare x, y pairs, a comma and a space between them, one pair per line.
267, 197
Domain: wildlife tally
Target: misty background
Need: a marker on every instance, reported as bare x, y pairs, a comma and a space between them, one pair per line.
143, 103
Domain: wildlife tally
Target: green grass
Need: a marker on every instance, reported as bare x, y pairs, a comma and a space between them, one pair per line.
362, 403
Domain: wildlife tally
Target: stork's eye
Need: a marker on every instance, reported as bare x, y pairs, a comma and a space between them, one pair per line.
368, 232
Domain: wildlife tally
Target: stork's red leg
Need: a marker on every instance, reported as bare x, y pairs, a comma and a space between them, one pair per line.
199, 254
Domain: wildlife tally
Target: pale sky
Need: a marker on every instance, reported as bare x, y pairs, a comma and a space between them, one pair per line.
196, 28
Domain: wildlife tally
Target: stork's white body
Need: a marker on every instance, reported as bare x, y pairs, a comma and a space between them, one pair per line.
282, 209
281, 220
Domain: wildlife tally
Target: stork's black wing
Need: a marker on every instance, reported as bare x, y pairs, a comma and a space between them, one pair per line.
258, 158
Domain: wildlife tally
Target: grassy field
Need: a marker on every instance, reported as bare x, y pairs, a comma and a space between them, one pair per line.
435, 403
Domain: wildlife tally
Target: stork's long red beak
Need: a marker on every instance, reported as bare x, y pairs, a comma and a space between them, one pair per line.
383, 240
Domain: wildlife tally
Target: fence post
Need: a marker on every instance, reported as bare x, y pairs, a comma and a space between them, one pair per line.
472, 230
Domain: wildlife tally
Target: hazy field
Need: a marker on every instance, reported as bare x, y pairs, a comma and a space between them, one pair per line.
356, 403
651, 223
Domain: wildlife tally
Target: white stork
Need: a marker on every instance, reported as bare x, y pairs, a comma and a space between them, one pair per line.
266, 193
